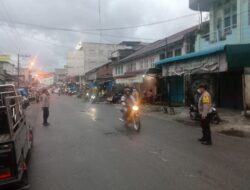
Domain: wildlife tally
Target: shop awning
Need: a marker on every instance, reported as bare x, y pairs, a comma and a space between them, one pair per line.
238, 56
190, 55
154, 71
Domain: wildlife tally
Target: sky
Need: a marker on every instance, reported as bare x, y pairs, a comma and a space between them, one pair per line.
28, 27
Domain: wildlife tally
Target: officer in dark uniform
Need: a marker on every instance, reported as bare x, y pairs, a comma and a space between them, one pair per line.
204, 106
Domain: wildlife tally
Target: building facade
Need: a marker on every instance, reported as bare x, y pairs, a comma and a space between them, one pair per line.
221, 55
135, 69
89, 56
60, 75
25, 75
8, 67
229, 23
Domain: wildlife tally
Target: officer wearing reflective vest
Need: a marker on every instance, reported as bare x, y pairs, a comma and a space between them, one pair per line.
204, 106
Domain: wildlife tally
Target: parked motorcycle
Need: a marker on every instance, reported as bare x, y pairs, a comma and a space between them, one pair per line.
115, 99
214, 116
133, 118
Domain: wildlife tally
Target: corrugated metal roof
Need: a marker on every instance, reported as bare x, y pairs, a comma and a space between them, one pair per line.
159, 44
191, 55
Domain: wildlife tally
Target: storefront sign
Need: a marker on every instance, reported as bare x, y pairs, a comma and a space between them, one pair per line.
130, 80
5, 58
208, 64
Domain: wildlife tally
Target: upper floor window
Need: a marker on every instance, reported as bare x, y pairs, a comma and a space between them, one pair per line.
134, 67
146, 63
169, 54
141, 65
230, 17
116, 70
162, 56
129, 67
121, 69
177, 52
152, 62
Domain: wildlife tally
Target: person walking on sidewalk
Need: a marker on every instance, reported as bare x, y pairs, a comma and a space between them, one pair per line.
204, 107
45, 106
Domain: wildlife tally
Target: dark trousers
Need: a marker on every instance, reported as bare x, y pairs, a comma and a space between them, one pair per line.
45, 115
205, 125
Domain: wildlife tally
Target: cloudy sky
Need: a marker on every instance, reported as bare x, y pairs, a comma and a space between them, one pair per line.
31, 26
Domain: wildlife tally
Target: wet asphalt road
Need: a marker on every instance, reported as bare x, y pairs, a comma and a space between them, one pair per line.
86, 147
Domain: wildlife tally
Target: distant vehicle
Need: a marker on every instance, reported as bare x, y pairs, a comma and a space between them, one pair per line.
72, 89
93, 99
23, 92
16, 137
115, 99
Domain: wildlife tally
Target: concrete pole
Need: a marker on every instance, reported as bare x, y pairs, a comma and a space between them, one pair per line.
80, 82
18, 70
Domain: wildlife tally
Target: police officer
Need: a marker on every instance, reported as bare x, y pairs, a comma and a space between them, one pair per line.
204, 107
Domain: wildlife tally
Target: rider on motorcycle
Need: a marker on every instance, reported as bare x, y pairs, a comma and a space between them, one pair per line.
127, 102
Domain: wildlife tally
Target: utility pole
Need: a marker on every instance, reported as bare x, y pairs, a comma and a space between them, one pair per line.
18, 70
18, 67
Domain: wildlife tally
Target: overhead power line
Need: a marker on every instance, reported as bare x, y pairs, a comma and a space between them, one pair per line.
101, 29
17, 35
77, 31
142, 25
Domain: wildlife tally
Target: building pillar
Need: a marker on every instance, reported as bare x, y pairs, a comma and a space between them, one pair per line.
239, 21
246, 91
212, 28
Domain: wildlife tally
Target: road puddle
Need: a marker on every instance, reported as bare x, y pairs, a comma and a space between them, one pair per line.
233, 132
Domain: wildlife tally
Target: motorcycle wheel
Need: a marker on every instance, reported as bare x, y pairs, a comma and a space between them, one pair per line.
137, 124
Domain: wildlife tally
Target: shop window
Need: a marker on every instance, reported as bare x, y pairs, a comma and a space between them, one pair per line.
177, 52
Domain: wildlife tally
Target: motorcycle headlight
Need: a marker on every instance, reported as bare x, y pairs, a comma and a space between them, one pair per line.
93, 97
135, 108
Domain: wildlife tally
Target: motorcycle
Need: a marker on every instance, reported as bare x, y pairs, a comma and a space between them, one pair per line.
214, 116
92, 99
132, 117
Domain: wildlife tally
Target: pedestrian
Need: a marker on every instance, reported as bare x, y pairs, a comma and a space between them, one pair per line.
45, 106
136, 95
204, 107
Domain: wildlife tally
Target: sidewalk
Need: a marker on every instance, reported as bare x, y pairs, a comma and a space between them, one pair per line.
233, 122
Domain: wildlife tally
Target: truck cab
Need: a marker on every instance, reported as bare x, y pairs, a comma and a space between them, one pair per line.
15, 136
